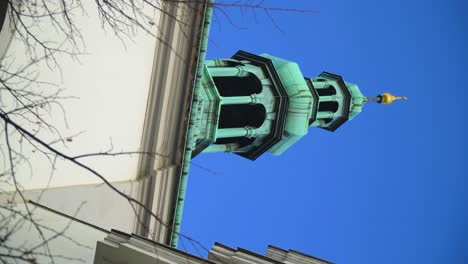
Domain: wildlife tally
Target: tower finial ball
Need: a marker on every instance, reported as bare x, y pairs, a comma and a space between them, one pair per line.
388, 98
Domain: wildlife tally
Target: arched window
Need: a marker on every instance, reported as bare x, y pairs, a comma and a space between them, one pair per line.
330, 90
238, 86
330, 106
241, 115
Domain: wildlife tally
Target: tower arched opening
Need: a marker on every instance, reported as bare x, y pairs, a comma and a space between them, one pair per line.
242, 115
238, 86
330, 106
330, 90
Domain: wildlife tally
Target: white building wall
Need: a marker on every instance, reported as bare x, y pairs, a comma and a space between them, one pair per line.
109, 88
109, 85
113, 82
67, 241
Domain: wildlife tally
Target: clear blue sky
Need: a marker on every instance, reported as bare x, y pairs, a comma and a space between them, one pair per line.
387, 187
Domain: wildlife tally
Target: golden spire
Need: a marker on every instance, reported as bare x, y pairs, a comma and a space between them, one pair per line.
386, 98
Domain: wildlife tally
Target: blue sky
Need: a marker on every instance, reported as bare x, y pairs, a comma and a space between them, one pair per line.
386, 187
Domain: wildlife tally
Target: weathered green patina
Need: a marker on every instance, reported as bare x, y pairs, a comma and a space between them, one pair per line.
251, 104
194, 119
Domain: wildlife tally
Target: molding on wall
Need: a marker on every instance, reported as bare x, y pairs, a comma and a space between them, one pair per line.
167, 117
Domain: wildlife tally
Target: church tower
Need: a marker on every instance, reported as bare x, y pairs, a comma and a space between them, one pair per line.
252, 104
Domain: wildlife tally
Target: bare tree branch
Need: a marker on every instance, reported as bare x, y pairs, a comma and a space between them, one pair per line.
27, 102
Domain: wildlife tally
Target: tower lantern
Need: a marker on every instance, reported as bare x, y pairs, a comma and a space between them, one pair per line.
252, 104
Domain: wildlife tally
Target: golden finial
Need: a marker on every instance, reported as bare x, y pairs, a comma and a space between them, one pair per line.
386, 98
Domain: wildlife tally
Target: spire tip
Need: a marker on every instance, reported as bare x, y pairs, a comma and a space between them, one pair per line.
386, 98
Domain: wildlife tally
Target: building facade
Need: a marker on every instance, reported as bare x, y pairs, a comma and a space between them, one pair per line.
129, 95
176, 106
119, 247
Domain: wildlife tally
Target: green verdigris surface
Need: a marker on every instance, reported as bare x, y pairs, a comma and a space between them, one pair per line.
284, 105
300, 103
291, 102
251, 104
